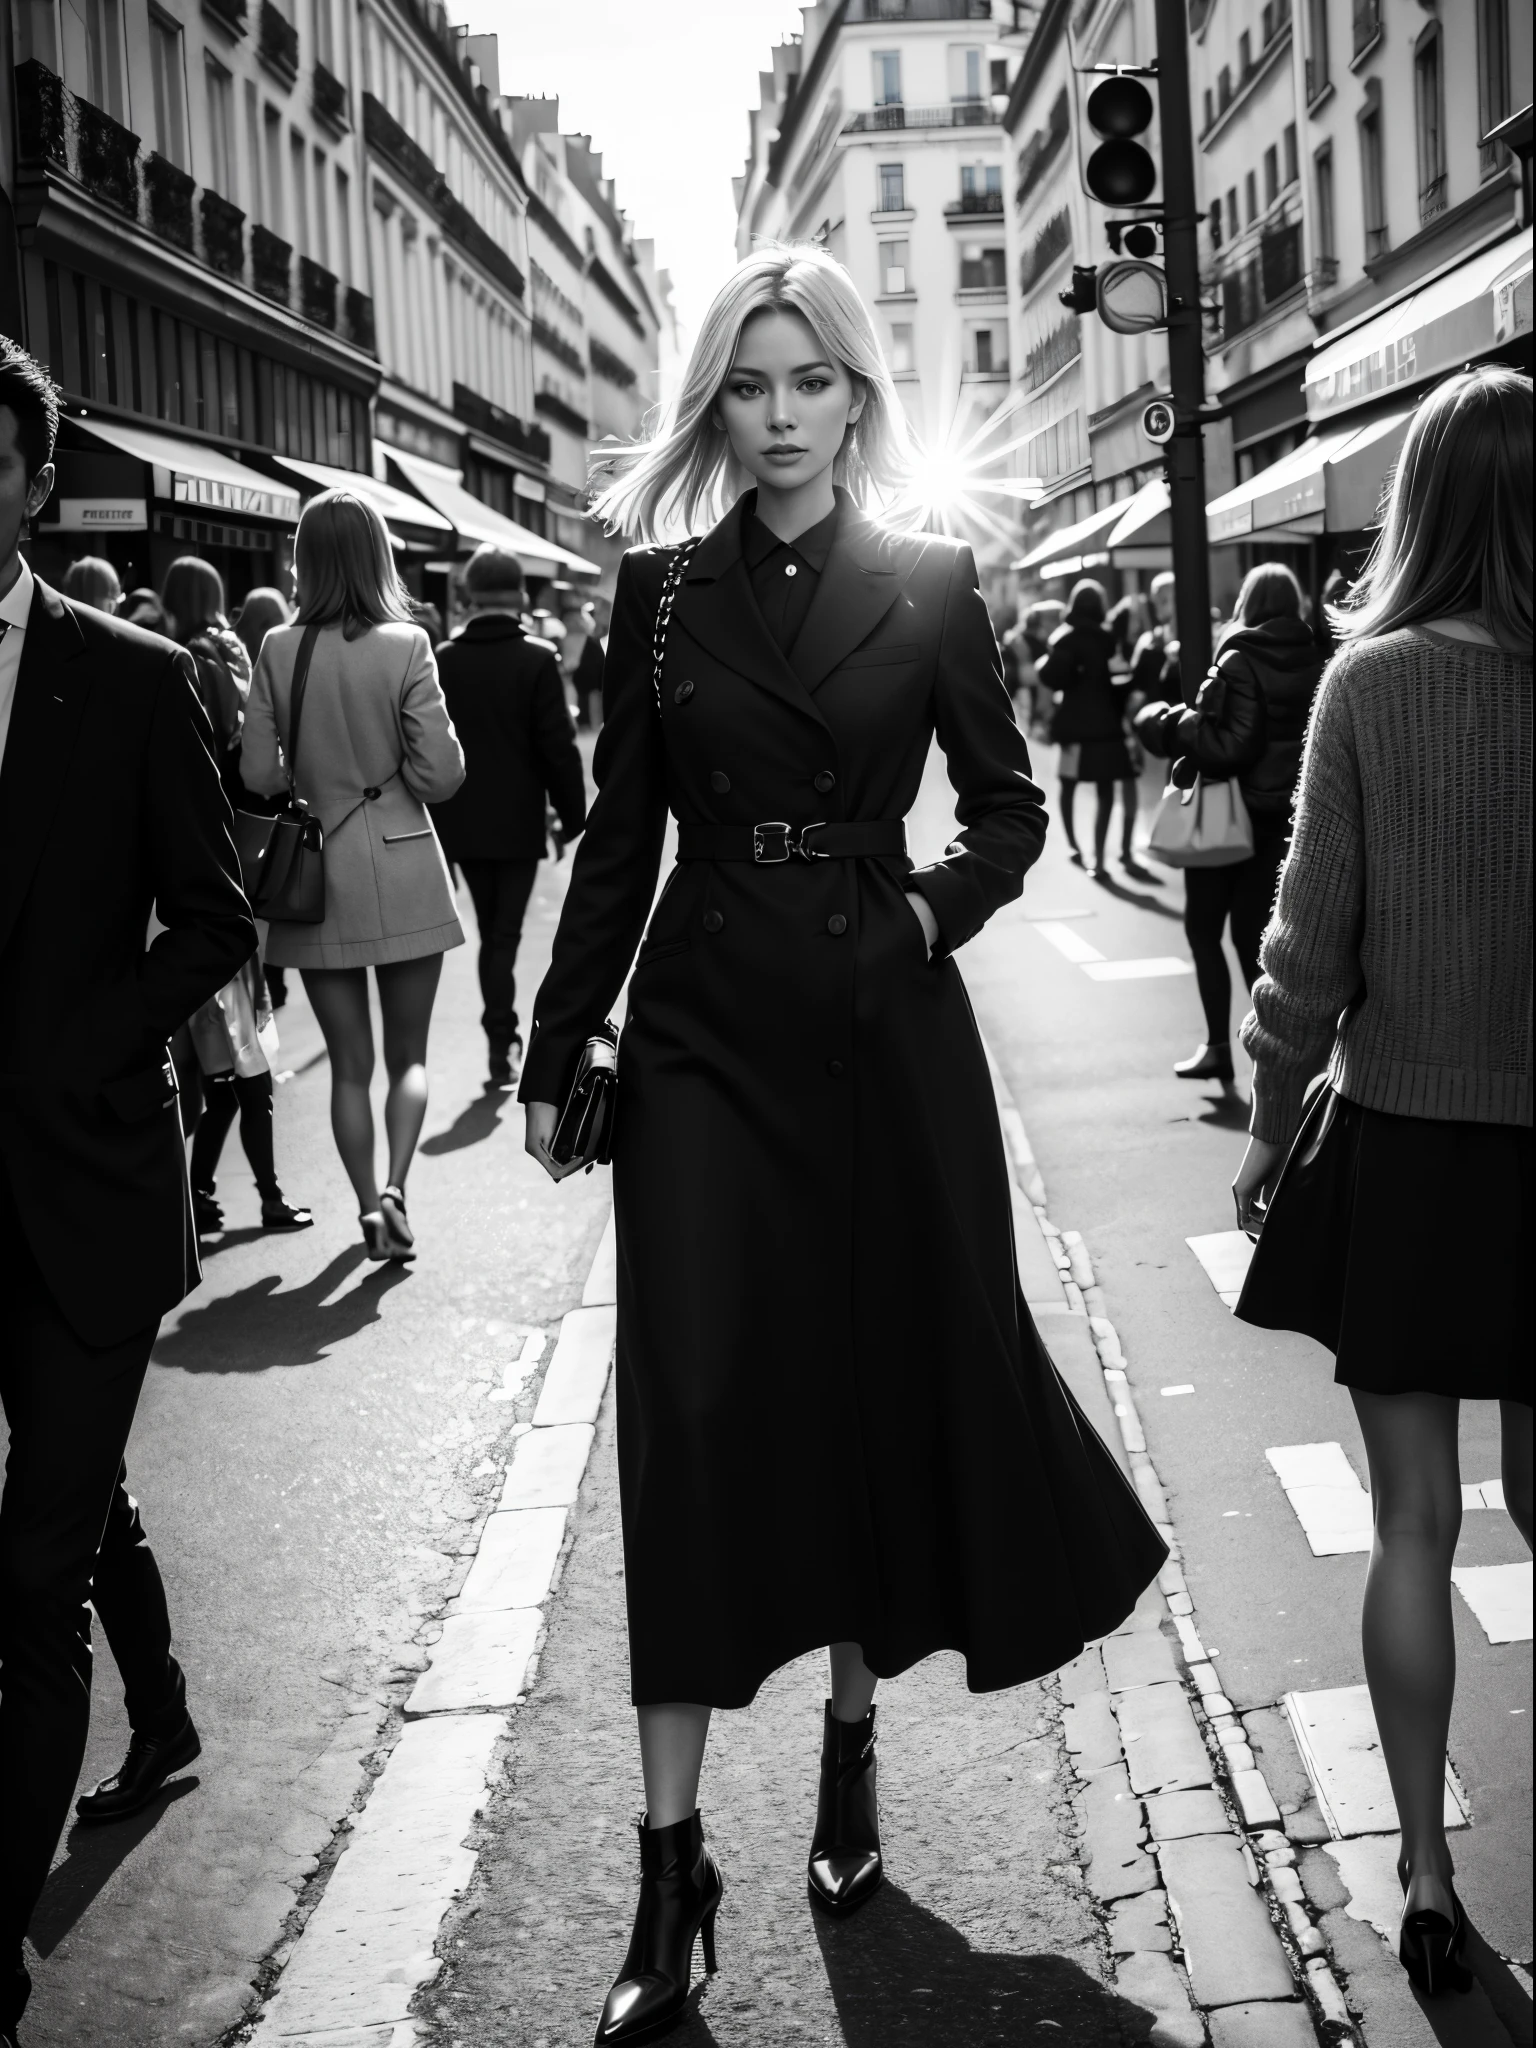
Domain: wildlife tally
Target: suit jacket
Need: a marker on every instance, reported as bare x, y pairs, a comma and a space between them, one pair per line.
507, 703
110, 806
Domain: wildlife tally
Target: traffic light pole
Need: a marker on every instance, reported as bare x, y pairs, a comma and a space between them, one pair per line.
1186, 354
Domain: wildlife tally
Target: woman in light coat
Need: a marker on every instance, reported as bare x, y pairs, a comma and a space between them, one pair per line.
375, 747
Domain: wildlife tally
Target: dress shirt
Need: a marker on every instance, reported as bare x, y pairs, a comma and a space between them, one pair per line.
15, 608
785, 573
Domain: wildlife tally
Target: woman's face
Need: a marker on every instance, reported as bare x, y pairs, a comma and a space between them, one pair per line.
785, 404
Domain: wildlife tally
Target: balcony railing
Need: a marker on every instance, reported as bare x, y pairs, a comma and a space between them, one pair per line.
554, 407
169, 191
271, 265
554, 343
920, 10
277, 44
1280, 262
1367, 25
329, 97
407, 157
317, 292
488, 418
975, 202
108, 158
223, 235
1432, 198
612, 367
359, 319
958, 114
229, 14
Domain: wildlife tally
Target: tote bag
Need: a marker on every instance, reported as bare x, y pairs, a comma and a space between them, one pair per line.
1204, 827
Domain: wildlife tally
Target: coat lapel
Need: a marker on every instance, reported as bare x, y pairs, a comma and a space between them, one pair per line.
716, 608
45, 718
863, 578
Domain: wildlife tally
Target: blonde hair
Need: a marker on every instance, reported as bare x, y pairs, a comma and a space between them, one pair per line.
685, 473
1456, 536
345, 566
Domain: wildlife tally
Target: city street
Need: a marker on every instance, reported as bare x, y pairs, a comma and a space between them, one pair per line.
320, 1444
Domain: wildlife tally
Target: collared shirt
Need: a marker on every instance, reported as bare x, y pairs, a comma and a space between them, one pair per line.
15, 609
785, 573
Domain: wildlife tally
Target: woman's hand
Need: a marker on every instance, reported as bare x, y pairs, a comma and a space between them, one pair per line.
923, 911
1256, 1177
539, 1124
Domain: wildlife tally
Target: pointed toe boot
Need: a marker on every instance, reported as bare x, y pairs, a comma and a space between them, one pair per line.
845, 1867
680, 1890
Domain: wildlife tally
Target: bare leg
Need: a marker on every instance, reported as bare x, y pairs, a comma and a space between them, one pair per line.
407, 990
1407, 1632
1128, 793
1101, 817
339, 998
1068, 797
672, 1739
853, 1683
1515, 1416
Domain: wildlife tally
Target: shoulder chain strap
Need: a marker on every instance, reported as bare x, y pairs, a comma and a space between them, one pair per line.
676, 570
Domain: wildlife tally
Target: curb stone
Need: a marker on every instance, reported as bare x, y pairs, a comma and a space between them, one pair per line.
1224, 1937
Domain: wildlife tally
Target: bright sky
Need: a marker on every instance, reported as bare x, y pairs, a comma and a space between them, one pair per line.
664, 88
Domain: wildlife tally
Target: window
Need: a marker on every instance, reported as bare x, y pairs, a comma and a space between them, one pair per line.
903, 360
252, 152
970, 87
1271, 175
1292, 166
1429, 113
1210, 107
1251, 195
1372, 179
887, 78
322, 212
982, 269
1224, 87
272, 138
1317, 47
104, 56
221, 127
1244, 55
978, 181
343, 226
1327, 232
991, 351
893, 188
1216, 222
999, 71
1234, 220
170, 89
325, 35
298, 184
895, 259
1492, 79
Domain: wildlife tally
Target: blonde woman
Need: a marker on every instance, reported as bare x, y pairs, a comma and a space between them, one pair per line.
1398, 963
837, 1425
375, 747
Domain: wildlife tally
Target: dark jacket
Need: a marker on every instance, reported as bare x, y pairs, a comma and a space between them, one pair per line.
1092, 703
109, 804
1250, 718
811, 1193
1149, 664
507, 704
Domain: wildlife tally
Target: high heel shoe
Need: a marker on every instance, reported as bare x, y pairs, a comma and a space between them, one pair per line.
680, 1892
1429, 1947
402, 1243
1210, 1063
845, 1867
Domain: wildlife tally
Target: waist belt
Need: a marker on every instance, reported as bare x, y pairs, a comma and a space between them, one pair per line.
771, 844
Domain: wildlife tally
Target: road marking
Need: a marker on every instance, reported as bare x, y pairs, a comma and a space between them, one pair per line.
1333, 1508
1226, 1256
1052, 916
1337, 1736
1069, 944
1500, 1596
1137, 970
1169, 1392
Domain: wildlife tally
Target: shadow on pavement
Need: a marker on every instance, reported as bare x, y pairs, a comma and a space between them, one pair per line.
899, 1974
257, 1327
472, 1124
1142, 901
92, 1855
1459, 2022
1228, 1111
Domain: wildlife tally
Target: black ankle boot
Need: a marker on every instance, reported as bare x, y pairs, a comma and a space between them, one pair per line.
680, 1890
845, 1867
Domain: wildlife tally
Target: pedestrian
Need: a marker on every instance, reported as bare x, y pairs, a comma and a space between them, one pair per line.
1391, 1040
1040, 622
375, 747
836, 1421
192, 597
587, 675
1149, 658
90, 580
109, 806
1247, 726
507, 703
1123, 624
234, 1040
264, 608
1087, 726
142, 607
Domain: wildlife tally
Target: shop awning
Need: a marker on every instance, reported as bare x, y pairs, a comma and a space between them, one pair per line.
475, 522
1433, 330
1512, 299
1330, 484
1143, 521
186, 473
1068, 541
407, 518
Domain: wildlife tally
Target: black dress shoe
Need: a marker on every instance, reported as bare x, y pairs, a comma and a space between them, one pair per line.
1210, 1063
149, 1762
680, 1891
845, 1867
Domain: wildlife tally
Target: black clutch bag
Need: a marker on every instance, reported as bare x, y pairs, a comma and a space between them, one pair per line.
584, 1133
282, 858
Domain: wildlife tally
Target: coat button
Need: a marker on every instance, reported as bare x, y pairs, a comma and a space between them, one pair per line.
837, 925
835, 1069
824, 781
720, 782
682, 693
713, 921
373, 795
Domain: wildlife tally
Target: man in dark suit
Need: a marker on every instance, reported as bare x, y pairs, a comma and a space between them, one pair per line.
109, 805
507, 704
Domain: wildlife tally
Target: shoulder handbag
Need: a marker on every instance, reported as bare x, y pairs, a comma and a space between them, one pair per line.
585, 1130
1206, 826
282, 858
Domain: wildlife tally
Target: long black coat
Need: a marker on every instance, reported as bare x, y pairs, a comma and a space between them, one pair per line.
836, 1421
109, 803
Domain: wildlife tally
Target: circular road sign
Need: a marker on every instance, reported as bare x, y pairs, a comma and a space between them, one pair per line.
1158, 421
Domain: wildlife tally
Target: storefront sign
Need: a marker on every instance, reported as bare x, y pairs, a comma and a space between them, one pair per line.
216, 495
89, 515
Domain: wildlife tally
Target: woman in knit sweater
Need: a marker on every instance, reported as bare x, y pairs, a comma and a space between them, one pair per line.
1391, 1041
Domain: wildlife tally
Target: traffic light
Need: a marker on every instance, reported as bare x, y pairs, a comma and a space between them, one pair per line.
1120, 132
1084, 295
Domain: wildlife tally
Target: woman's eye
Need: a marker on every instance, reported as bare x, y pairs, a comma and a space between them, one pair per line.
745, 390
814, 384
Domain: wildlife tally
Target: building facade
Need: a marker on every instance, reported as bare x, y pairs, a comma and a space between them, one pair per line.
192, 266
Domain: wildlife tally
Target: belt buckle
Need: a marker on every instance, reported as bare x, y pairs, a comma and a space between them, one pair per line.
761, 854
809, 852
